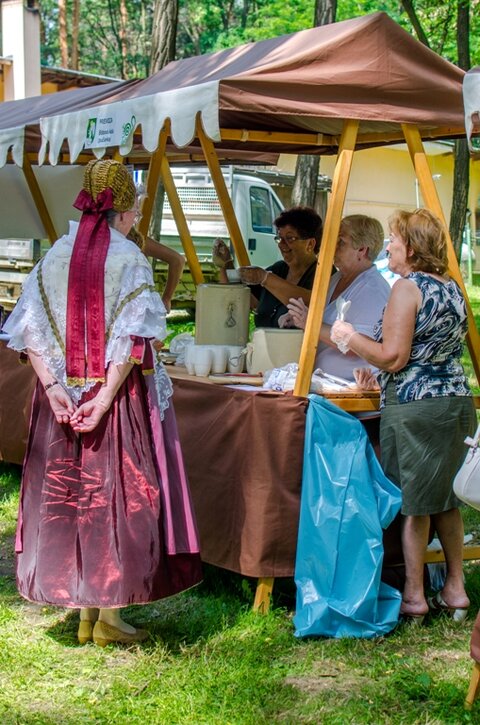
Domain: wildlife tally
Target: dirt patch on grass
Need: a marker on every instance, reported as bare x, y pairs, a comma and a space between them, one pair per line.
323, 677
7, 556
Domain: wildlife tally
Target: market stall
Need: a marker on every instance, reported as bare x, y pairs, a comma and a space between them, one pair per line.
329, 90
333, 89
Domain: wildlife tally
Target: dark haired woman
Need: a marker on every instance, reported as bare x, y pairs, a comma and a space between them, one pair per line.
299, 232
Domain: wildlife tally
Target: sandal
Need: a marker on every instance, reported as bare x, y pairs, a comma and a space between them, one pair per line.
438, 605
415, 619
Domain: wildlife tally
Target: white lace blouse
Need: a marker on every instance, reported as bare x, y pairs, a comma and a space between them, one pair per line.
132, 308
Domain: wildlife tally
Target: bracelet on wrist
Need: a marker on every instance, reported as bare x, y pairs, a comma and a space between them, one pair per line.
262, 283
50, 385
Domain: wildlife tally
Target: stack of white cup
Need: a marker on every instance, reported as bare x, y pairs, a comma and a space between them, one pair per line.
201, 360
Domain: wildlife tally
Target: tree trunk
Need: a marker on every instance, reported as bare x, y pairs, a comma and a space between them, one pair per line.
75, 29
412, 15
304, 190
461, 172
164, 34
325, 12
461, 184
62, 32
123, 32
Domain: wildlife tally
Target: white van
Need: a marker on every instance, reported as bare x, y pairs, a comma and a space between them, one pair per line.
255, 203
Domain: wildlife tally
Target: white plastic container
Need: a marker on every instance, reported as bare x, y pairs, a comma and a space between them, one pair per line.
273, 348
221, 316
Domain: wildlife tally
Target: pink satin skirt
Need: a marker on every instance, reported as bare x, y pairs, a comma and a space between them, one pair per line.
105, 518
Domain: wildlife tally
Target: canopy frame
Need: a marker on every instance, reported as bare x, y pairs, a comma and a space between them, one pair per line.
347, 144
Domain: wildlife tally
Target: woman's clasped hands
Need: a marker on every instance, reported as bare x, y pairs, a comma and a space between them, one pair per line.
60, 402
88, 415
83, 419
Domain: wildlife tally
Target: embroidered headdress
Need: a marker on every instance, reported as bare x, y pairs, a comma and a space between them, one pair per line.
106, 185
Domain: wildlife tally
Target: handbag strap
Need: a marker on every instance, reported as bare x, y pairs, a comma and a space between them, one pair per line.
475, 441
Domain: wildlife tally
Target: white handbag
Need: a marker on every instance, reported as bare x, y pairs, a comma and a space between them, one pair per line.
466, 484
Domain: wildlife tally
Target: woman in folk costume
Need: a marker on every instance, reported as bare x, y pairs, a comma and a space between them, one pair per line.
105, 513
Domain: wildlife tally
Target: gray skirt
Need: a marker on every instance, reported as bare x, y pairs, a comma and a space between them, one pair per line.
423, 447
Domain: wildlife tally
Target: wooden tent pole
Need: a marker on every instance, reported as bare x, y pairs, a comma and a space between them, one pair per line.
223, 196
325, 258
152, 180
181, 222
39, 201
432, 202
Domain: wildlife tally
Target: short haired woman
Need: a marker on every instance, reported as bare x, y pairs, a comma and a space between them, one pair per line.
299, 232
357, 280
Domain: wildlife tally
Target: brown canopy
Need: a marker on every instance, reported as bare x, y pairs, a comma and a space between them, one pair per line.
366, 68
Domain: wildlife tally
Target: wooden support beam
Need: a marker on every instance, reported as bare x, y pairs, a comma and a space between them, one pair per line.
280, 137
154, 171
434, 556
263, 595
39, 201
223, 196
432, 202
325, 258
323, 139
380, 137
181, 222
474, 687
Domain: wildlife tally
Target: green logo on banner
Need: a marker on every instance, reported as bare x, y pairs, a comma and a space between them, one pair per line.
91, 130
127, 128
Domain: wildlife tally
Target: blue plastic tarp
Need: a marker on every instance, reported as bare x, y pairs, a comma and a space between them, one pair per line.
346, 502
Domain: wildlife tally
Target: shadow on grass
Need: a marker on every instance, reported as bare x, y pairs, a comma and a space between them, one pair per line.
10, 475
183, 620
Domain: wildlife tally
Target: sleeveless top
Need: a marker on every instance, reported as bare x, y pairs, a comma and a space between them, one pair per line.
434, 368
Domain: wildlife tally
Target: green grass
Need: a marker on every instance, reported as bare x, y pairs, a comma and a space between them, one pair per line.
211, 661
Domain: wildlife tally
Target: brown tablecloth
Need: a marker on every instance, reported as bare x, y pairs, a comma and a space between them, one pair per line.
243, 453
17, 382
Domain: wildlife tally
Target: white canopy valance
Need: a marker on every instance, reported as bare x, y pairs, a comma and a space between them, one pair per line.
113, 124
471, 100
12, 138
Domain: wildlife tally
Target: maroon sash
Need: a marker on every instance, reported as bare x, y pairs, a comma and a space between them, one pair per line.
85, 334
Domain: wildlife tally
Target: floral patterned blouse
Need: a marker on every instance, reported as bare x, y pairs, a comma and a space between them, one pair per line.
434, 368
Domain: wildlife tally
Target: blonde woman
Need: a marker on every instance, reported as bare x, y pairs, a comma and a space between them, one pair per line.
427, 408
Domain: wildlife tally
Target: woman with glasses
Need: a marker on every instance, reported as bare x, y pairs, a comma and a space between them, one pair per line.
357, 280
299, 232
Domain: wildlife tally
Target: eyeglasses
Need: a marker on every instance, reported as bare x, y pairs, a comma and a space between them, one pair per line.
138, 216
287, 240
